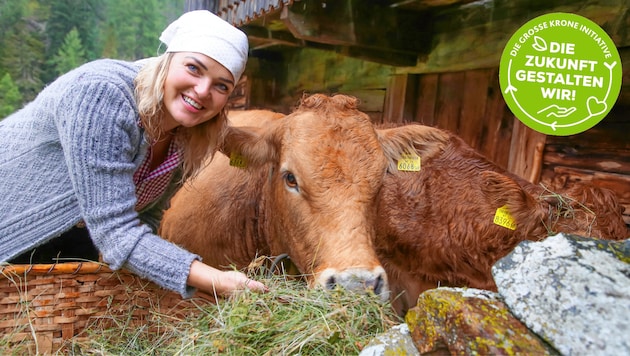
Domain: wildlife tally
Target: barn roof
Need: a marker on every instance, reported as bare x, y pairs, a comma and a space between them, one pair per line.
388, 31
242, 12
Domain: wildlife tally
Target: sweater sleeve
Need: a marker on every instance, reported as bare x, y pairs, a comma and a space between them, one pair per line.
101, 142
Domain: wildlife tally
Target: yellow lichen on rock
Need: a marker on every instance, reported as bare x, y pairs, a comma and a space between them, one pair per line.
471, 322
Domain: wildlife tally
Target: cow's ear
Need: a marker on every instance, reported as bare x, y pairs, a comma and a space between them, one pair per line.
254, 146
424, 141
503, 191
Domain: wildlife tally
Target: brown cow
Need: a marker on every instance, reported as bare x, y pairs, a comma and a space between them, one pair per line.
317, 189
437, 226
309, 191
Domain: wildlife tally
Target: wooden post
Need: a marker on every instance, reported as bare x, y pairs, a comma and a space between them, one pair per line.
526, 151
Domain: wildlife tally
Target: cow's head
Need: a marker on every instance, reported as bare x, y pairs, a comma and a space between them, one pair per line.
326, 163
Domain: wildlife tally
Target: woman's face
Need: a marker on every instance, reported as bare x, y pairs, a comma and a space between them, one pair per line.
196, 89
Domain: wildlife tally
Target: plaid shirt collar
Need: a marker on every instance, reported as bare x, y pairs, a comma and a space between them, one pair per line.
150, 185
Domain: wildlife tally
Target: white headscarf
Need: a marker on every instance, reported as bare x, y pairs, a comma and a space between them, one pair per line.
204, 32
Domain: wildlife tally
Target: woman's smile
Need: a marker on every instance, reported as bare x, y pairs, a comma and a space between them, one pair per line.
192, 102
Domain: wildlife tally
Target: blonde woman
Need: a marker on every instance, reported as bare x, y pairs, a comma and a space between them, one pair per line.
91, 163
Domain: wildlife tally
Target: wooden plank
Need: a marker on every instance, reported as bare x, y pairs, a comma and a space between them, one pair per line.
588, 158
473, 123
501, 123
602, 137
563, 176
411, 93
449, 101
523, 147
393, 110
426, 99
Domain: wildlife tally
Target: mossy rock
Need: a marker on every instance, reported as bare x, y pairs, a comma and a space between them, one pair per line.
470, 322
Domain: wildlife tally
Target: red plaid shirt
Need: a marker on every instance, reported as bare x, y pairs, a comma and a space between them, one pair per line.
150, 185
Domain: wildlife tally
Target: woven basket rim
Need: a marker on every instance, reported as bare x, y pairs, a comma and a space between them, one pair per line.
55, 268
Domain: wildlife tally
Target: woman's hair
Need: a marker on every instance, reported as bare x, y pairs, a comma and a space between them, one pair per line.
195, 142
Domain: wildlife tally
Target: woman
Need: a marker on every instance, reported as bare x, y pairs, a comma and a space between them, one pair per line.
106, 145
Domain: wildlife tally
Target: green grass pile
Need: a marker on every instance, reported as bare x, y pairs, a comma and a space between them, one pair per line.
290, 319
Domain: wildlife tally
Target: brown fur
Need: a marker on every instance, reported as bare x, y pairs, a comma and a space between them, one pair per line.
435, 227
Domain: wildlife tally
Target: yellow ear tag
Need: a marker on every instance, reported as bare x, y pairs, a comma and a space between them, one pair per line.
409, 162
503, 218
236, 160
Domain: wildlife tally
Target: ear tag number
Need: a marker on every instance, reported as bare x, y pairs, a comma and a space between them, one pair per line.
409, 162
236, 160
503, 218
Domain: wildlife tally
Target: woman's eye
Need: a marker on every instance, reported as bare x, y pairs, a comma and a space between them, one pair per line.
192, 68
223, 87
290, 180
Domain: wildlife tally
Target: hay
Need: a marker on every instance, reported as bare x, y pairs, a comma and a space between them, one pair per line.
290, 319
565, 207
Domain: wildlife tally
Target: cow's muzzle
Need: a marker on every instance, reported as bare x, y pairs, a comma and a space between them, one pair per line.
357, 280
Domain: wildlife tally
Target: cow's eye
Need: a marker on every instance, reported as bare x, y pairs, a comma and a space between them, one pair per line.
290, 180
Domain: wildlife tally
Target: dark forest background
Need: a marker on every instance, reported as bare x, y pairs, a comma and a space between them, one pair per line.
42, 39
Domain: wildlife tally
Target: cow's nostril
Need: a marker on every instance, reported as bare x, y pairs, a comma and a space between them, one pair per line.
331, 283
377, 285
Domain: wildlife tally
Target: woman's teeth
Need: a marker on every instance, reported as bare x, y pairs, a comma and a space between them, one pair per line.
192, 103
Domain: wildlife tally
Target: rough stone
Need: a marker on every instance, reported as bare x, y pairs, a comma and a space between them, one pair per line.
396, 341
572, 291
459, 321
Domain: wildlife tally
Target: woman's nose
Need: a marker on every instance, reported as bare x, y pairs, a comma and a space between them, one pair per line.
203, 88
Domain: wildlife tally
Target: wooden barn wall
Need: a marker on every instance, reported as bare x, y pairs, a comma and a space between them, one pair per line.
279, 80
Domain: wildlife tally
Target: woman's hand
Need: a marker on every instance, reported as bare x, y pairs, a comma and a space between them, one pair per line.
212, 280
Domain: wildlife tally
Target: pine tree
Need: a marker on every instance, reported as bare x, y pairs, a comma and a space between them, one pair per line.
84, 15
134, 27
23, 57
10, 14
10, 97
70, 55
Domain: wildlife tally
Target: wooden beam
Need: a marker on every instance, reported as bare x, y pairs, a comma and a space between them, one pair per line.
266, 37
474, 35
362, 29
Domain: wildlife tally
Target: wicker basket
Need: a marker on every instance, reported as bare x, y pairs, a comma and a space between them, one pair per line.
43, 306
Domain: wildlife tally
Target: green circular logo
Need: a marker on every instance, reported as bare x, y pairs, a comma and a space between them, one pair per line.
560, 74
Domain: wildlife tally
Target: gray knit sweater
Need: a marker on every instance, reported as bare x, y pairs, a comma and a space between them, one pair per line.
70, 155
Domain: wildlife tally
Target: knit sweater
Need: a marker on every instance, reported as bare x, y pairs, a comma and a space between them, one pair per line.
70, 155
